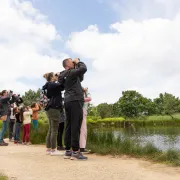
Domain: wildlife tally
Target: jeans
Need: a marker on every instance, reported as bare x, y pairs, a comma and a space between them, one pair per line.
17, 131
53, 117
11, 128
35, 123
3, 130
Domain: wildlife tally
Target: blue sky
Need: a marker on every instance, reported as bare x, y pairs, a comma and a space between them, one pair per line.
126, 44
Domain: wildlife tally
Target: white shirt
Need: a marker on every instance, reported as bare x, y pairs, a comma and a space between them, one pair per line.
27, 117
12, 116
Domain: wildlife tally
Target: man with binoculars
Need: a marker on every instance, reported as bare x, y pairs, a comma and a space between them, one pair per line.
71, 79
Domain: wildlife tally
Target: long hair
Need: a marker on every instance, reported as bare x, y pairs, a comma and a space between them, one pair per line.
21, 114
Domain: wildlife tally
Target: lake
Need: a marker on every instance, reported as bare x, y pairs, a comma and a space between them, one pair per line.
162, 137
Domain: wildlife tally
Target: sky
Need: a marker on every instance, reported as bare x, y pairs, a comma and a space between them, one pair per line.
126, 44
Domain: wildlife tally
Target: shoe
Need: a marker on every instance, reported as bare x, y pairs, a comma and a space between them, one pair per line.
48, 152
28, 143
78, 156
56, 153
67, 154
60, 148
3, 144
23, 143
84, 151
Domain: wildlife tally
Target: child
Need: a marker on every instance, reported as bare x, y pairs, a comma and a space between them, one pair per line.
26, 116
83, 133
12, 122
35, 108
17, 126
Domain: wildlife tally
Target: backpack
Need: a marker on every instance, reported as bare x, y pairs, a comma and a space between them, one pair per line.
43, 101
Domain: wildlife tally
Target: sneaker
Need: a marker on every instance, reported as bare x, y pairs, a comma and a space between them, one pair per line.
48, 152
84, 151
60, 148
56, 153
3, 143
78, 156
23, 143
67, 154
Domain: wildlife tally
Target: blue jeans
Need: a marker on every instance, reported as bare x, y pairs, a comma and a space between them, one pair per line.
17, 131
3, 130
35, 123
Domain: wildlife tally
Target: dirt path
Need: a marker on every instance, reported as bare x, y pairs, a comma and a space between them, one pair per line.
31, 163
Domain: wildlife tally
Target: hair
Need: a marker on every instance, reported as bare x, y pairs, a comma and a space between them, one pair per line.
4, 91
0, 93
64, 63
21, 114
33, 105
48, 76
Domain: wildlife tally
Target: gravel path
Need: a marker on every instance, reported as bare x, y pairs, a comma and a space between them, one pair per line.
30, 163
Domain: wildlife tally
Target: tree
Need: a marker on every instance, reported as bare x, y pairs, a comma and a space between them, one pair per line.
133, 104
167, 104
31, 96
104, 110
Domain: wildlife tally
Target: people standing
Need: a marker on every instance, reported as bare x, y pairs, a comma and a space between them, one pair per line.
17, 125
35, 108
83, 134
26, 117
11, 123
5, 105
70, 79
53, 108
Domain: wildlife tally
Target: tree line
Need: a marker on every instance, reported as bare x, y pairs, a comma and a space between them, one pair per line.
131, 104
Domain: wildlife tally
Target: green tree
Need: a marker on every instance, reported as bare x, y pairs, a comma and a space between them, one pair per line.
31, 96
133, 104
104, 110
167, 104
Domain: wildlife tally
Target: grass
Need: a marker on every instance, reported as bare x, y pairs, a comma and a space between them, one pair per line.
2, 177
105, 143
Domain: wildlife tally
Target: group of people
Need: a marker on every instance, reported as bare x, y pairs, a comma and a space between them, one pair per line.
70, 110
76, 100
14, 115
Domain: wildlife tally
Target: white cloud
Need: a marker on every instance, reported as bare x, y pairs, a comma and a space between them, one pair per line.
142, 55
25, 44
144, 9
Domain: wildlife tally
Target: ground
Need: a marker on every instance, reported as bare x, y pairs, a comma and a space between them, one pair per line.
30, 163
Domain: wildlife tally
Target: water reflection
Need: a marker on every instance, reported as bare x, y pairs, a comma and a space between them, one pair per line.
162, 137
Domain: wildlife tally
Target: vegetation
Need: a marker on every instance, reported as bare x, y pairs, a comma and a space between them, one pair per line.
2, 177
106, 143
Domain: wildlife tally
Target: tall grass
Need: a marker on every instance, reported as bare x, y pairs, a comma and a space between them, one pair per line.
106, 143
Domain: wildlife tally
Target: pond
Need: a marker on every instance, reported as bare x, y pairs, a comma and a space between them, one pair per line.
163, 138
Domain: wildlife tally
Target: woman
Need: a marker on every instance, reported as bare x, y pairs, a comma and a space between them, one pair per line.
5, 105
83, 133
53, 108
35, 108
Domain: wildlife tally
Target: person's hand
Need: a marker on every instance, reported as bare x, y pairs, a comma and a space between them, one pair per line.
57, 74
76, 60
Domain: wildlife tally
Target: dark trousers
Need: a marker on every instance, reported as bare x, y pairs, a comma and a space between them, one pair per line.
74, 116
60, 134
11, 128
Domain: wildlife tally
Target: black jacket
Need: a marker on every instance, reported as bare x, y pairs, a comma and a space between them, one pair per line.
54, 95
71, 81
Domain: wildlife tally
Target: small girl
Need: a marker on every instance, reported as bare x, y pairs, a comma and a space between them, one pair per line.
35, 108
26, 116
83, 132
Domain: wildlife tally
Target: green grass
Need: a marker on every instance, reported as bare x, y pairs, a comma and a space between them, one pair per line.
2, 177
105, 143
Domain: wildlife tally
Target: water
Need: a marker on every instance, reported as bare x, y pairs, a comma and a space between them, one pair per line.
162, 137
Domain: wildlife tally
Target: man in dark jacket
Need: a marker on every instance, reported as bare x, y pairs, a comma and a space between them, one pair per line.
71, 79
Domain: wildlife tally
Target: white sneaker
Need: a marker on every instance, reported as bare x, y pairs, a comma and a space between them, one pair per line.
48, 152
56, 153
